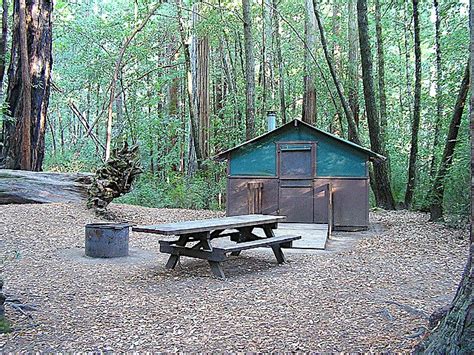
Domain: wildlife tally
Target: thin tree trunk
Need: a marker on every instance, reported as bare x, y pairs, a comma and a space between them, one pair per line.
382, 191
345, 104
381, 73
118, 65
437, 190
249, 72
309, 94
406, 37
438, 90
353, 65
281, 69
51, 129
269, 76
194, 152
416, 111
61, 131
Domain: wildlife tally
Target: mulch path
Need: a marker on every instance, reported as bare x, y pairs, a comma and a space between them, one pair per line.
375, 296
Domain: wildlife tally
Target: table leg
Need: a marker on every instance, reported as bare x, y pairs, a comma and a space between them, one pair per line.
278, 254
268, 231
216, 269
173, 259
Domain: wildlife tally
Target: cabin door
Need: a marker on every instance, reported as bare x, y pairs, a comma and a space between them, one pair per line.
296, 163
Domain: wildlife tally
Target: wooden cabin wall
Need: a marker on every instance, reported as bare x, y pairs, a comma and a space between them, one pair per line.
350, 198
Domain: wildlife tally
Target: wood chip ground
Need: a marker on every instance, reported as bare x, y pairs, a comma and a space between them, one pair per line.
374, 296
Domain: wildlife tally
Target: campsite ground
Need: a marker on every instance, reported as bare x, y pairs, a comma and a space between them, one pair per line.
369, 291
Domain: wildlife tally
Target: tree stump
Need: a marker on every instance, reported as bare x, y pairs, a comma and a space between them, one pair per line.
115, 178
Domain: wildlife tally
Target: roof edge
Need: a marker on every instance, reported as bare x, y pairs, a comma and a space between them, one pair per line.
372, 155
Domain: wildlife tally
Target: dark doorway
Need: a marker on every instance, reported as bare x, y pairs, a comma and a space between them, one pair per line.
296, 167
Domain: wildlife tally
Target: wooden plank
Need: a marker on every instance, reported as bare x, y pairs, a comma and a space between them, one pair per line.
216, 269
278, 253
258, 243
206, 225
175, 250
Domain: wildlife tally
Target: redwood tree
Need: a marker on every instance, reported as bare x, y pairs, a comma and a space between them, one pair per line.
382, 186
415, 127
453, 332
309, 94
29, 77
249, 71
437, 190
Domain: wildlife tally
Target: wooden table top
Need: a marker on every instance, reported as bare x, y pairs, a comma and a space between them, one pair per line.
207, 225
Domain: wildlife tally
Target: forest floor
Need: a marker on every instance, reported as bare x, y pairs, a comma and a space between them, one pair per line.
374, 294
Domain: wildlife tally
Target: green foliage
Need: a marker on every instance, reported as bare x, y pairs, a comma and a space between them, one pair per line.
200, 191
71, 161
88, 39
4, 326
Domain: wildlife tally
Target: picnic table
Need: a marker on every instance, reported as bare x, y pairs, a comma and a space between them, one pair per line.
194, 238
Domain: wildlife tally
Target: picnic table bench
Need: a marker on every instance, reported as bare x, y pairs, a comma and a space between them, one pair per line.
201, 232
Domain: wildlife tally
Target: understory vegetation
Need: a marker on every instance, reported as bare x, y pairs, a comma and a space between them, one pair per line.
151, 104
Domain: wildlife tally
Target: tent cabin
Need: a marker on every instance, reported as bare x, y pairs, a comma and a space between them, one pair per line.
284, 171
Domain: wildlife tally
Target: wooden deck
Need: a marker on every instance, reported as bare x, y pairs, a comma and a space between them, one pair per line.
313, 236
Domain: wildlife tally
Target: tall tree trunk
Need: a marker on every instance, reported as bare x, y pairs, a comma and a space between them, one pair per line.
309, 94
438, 90
118, 66
3, 45
25, 158
381, 73
200, 83
382, 191
281, 71
437, 190
194, 156
3, 50
337, 83
28, 84
353, 63
416, 111
249, 72
268, 74
454, 333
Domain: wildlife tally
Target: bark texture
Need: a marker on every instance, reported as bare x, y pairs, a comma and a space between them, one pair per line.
29, 77
454, 333
17, 187
437, 191
200, 83
3, 44
415, 127
309, 94
249, 72
382, 186
381, 72
281, 71
438, 88
353, 64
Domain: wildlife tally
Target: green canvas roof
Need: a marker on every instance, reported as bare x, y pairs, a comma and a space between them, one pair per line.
372, 155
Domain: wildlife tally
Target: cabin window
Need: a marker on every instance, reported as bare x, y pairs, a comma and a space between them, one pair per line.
296, 160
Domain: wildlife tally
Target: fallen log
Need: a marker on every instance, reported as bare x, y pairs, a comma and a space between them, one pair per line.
19, 186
